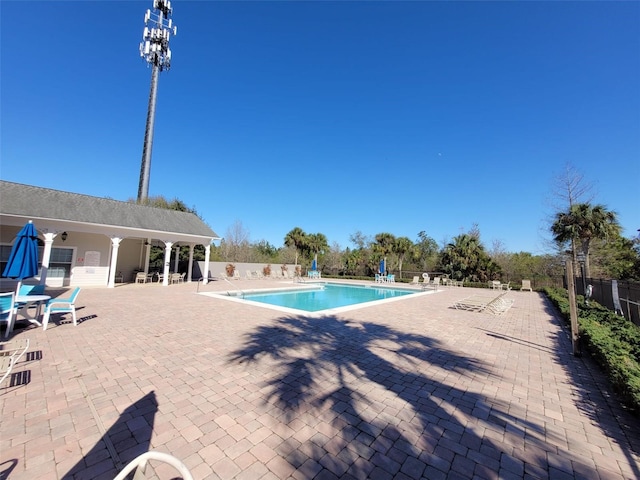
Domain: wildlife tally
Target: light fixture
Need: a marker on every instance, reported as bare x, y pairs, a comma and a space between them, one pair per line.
64, 236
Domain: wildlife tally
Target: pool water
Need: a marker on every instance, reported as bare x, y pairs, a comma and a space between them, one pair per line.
325, 297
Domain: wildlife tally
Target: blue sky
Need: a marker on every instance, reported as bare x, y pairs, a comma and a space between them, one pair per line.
335, 117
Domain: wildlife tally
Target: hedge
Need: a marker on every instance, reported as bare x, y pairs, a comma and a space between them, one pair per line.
612, 341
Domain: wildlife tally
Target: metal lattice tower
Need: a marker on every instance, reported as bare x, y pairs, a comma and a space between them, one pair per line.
154, 48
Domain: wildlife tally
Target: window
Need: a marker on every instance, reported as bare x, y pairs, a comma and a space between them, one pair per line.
60, 262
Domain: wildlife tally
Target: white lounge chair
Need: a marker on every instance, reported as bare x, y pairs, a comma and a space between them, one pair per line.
526, 285
496, 305
416, 280
139, 466
10, 353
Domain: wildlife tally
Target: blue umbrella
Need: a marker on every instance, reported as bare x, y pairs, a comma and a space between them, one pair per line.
23, 259
382, 267
314, 265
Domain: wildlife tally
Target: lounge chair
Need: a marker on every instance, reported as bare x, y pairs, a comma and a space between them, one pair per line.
139, 466
496, 305
416, 280
434, 283
8, 310
10, 353
526, 285
61, 305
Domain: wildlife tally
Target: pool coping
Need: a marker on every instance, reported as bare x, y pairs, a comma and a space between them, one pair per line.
310, 286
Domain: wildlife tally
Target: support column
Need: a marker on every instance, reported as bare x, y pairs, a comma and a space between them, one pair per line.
46, 256
190, 267
167, 262
115, 245
147, 254
207, 256
176, 258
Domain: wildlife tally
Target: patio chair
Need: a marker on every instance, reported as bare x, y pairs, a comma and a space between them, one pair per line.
139, 464
141, 277
61, 305
416, 280
526, 285
8, 310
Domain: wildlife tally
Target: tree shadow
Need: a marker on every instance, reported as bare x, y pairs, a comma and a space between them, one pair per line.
127, 438
404, 418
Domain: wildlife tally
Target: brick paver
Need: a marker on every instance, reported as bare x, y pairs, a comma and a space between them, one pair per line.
405, 389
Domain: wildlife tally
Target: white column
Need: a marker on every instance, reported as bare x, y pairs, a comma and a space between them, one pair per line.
115, 245
190, 267
46, 256
207, 256
176, 258
147, 253
167, 262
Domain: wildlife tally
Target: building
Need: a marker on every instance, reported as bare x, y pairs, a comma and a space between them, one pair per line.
92, 241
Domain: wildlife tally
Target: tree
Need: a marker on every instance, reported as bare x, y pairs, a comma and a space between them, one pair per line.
466, 259
402, 247
383, 246
316, 243
426, 251
615, 258
583, 223
235, 245
570, 188
297, 239
160, 201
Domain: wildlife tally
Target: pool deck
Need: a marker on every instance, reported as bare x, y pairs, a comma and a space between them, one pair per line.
403, 390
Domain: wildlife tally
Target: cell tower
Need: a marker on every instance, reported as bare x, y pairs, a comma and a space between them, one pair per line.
154, 48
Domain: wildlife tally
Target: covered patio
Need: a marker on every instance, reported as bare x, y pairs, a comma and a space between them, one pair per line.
92, 241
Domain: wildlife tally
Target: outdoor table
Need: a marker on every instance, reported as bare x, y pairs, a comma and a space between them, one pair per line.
26, 301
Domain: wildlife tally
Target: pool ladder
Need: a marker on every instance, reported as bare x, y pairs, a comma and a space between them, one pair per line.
228, 292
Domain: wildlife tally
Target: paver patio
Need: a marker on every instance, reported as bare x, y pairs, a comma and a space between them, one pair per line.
404, 390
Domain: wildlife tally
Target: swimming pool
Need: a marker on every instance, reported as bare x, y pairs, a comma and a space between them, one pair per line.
319, 297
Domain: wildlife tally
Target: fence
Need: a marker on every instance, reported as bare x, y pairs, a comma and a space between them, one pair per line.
626, 299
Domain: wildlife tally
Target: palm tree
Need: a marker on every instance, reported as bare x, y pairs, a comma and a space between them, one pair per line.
466, 259
402, 247
317, 243
583, 223
297, 239
384, 246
